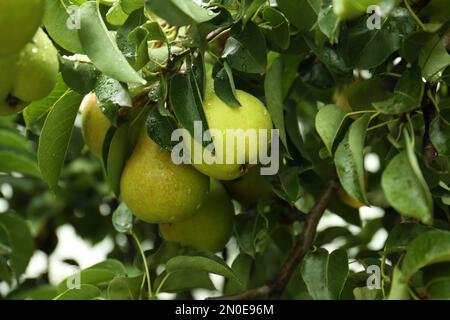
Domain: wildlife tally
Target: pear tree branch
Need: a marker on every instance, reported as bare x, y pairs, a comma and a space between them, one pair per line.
303, 246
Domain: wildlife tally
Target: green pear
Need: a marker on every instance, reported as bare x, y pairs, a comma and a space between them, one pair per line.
210, 228
94, 124
155, 189
19, 21
351, 9
28, 75
250, 188
251, 115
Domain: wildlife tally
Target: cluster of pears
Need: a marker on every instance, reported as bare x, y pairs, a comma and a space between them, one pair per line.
189, 203
28, 60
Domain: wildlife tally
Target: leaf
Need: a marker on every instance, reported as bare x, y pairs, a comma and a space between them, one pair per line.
245, 50
20, 241
180, 12
60, 21
367, 48
111, 95
85, 292
224, 85
440, 136
433, 57
329, 121
399, 288
116, 152
55, 137
183, 280
123, 288
402, 235
325, 274
100, 47
328, 22
273, 88
248, 229
79, 75
428, 248
34, 112
207, 263
18, 161
349, 160
276, 29
301, 13
160, 128
407, 95
405, 188
185, 101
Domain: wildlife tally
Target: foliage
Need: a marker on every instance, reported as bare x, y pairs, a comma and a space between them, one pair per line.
337, 89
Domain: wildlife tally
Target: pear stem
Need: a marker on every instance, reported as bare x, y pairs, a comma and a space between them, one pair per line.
144, 260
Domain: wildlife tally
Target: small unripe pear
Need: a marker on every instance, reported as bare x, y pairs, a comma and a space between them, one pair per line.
94, 124
210, 228
155, 189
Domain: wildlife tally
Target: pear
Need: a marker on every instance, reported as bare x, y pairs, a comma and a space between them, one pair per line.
210, 228
155, 189
351, 9
19, 21
94, 124
251, 115
28, 75
250, 188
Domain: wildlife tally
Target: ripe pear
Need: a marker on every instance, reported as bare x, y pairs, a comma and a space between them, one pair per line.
251, 115
19, 21
210, 228
250, 188
94, 124
155, 189
28, 75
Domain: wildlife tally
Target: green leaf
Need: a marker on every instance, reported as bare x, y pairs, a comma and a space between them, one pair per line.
224, 85
399, 287
186, 103
349, 159
428, 248
440, 136
116, 151
180, 12
365, 293
160, 128
183, 280
85, 292
407, 95
368, 48
123, 288
59, 15
301, 13
55, 136
34, 112
273, 88
101, 48
79, 75
111, 95
276, 29
433, 58
245, 50
325, 274
405, 188
328, 22
207, 263
329, 121
20, 241
402, 235
18, 161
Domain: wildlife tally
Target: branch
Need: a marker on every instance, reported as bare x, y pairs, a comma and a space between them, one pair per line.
303, 246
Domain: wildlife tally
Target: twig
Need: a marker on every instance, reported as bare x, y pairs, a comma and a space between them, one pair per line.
302, 247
